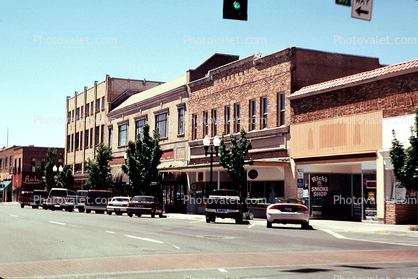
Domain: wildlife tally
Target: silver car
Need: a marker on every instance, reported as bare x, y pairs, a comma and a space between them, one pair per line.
118, 205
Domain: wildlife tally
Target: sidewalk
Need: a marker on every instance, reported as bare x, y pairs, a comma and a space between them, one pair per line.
351, 226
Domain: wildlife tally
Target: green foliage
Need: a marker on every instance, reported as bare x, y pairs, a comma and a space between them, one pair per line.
142, 158
65, 178
99, 176
233, 160
405, 162
51, 155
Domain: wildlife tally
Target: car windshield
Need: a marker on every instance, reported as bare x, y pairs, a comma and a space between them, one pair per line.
120, 199
225, 193
287, 200
143, 199
58, 193
26, 195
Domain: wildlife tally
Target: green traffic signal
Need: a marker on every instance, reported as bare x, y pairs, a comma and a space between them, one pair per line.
237, 5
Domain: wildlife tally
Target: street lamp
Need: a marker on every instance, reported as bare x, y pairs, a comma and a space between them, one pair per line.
206, 144
54, 168
60, 169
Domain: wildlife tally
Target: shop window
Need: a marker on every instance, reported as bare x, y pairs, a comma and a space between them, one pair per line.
264, 192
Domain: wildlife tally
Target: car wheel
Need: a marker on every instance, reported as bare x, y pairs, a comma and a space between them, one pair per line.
34, 207
109, 212
22, 206
81, 210
269, 224
70, 210
305, 226
139, 215
118, 213
130, 214
207, 219
161, 215
88, 211
238, 220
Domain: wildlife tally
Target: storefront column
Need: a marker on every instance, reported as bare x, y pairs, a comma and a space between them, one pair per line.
380, 187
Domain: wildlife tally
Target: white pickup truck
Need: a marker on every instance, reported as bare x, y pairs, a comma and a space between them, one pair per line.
223, 203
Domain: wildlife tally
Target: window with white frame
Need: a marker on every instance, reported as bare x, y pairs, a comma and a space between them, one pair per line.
227, 120
139, 125
237, 118
253, 114
180, 121
161, 124
214, 122
282, 110
205, 123
263, 112
123, 134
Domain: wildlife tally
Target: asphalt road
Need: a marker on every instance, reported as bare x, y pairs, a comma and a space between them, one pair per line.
58, 244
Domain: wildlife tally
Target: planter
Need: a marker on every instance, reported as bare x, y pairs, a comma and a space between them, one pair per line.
398, 213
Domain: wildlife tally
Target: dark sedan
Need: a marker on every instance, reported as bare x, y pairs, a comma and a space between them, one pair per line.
145, 205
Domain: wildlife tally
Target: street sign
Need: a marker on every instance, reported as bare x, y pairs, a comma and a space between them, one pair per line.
343, 2
362, 9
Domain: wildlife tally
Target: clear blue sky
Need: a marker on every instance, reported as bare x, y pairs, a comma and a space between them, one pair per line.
41, 62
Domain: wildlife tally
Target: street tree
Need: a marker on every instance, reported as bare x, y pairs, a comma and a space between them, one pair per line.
99, 176
405, 161
142, 158
65, 178
233, 159
51, 155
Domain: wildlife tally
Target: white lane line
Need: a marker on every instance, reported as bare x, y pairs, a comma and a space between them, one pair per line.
337, 235
250, 226
109, 232
222, 270
175, 246
57, 223
12, 215
145, 239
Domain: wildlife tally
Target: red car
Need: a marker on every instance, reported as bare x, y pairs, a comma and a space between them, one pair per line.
145, 205
25, 199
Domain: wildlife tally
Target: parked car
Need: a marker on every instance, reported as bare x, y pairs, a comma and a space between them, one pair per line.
145, 205
25, 198
57, 198
287, 211
223, 203
96, 201
70, 203
118, 205
80, 199
38, 198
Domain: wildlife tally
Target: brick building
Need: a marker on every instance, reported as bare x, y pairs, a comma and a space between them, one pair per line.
22, 168
87, 119
163, 108
341, 133
252, 93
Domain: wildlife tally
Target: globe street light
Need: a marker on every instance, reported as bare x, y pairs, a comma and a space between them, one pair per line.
206, 144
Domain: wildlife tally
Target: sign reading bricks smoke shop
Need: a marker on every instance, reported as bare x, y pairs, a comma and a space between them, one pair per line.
319, 186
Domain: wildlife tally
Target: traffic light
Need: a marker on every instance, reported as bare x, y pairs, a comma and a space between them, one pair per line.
235, 9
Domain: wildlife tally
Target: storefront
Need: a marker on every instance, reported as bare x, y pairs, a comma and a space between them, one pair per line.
345, 191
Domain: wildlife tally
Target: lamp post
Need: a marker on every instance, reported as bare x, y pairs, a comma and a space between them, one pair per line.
211, 151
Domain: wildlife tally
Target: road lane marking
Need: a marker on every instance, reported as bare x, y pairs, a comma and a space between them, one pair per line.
175, 246
145, 239
250, 226
109, 232
337, 235
57, 223
222, 270
12, 215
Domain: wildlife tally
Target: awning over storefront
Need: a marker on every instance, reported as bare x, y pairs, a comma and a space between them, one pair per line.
4, 185
118, 175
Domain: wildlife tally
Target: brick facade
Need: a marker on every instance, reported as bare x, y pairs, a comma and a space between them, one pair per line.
401, 214
393, 96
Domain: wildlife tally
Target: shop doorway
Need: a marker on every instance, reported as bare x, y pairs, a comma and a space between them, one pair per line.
173, 197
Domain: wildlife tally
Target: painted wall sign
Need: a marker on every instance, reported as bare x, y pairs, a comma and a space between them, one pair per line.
319, 186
